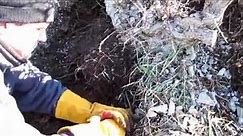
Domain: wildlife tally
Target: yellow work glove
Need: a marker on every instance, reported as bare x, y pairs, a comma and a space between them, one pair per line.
96, 127
74, 108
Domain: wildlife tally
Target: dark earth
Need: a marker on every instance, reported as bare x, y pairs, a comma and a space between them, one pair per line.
232, 27
84, 53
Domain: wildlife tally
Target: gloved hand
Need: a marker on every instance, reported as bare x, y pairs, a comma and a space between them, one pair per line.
95, 127
73, 108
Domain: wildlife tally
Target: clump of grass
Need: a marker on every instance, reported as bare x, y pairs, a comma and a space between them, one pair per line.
164, 75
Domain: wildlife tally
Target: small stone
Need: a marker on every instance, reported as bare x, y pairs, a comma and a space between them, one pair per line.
204, 68
204, 98
167, 71
211, 61
227, 74
191, 71
172, 108
172, 70
200, 73
209, 76
221, 72
232, 104
193, 111
240, 115
152, 112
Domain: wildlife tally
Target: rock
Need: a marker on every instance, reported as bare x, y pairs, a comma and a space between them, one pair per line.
240, 115
172, 108
204, 68
200, 73
152, 112
206, 98
225, 73
232, 103
209, 76
191, 71
221, 72
193, 111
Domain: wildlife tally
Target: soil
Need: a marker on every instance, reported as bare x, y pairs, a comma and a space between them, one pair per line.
84, 53
232, 28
